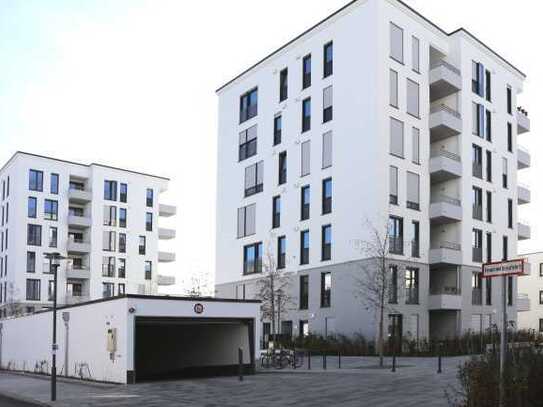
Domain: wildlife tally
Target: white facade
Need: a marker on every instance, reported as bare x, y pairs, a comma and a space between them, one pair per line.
375, 47
530, 294
48, 194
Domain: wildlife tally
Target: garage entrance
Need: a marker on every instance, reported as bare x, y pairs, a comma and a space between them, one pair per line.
171, 348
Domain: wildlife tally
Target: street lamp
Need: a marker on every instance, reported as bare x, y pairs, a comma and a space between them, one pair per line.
54, 262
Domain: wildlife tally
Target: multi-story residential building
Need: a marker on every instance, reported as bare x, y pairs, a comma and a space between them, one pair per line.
374, 116
530, 293
103, 219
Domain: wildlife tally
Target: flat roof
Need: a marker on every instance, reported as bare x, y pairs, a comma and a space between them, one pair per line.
81, 164
461, 29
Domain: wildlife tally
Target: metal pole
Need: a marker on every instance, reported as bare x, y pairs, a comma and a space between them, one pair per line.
503, 343
1, 345
54, 367
439, 359
339, 360
324, 361
240, 359
309, 360
65, 316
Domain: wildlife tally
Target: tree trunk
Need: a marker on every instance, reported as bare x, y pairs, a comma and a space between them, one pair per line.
381, 339
272, 304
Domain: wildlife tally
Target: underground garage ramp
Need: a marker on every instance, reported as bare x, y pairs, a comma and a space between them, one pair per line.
169, 348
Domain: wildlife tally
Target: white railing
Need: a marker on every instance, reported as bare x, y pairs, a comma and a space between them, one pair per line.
445, 64
445, 108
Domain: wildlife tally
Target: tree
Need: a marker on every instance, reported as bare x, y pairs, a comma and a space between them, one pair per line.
374, 287
199, 286
13, 303
273, 291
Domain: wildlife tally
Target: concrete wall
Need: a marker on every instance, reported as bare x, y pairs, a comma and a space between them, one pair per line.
531, 286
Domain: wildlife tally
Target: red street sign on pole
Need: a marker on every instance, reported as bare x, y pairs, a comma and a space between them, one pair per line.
503, 268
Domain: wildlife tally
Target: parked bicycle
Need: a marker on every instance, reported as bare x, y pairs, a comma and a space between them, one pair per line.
281, 358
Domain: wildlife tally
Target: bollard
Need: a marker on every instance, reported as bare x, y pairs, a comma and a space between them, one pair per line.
394, 362
308, 360
240, 358
339, 360
324, 361
439, 363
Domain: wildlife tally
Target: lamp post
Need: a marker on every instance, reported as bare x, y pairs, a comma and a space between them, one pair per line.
54, 263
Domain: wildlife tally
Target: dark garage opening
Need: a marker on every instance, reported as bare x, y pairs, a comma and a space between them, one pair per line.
171, 348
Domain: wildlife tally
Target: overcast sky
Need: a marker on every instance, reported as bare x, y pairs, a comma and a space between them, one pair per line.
131, 83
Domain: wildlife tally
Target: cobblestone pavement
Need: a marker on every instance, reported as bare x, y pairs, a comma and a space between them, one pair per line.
358, 383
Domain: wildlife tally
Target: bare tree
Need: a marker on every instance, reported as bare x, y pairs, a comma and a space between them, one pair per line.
199, 286
13, 303
374, 287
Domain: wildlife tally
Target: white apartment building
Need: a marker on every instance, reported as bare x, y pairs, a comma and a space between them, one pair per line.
374, 116
530, 297
105, 220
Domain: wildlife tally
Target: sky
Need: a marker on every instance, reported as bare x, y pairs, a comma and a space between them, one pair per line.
131, 83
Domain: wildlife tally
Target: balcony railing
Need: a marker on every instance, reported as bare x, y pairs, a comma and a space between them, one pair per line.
441, 198
445, 291
446, 154
445, 64
445, 108
412, 295
447, 245
396, 245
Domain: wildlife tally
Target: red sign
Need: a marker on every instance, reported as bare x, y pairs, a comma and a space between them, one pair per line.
198, 308
503, 268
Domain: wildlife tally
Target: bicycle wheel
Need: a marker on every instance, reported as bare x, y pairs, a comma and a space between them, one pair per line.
281, 362
298, 361
265, 361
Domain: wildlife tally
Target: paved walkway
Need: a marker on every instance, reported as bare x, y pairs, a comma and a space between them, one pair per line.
358, 383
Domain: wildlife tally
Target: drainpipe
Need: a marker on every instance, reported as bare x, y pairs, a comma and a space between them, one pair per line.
1, 344
66, 319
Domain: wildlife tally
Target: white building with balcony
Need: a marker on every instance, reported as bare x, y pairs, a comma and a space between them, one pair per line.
374, 114
530, 294
105, 220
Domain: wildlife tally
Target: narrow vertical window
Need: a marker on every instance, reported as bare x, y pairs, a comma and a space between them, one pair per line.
489, 206
328, 68
327, 150
396, 43
54, 184
306, 158
413, 95
283, 85
306, 115
396, 137
304, 247
489, 165
305, 202
415, 145
327, 100
282, 168
510, 213
415, 54
326, 289
488, 85
393, 180
306, 72
393, 88
327, 196
488, 125
281, 252
277, 129
276, 212
509, 137
326, 243
509, 100
413, 191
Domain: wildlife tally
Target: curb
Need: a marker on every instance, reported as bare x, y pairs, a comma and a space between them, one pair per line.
17, 397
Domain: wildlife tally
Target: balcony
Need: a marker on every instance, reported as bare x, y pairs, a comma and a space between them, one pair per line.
523, 303
444, 209
79, 246
81, 273
444, 252
524, 159
76, 299
166, 234
527, 269
166, 257
524, 230
445, 166
445, 298
79, 222
523, 122
166, 210
524, 195
444, 122
79, 196
165, 280
445, 79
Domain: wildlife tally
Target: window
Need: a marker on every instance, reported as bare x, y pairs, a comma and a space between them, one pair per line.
393, 88
282, 168
411, 285
393, 179
393, 291
306, 72
246, 220
476, 289
33, 237
509, 100
477, 243
35, 180
327, 104
540, 269
489, 206
142, 245
247, 143
477, 159
415, 145
327, 196
277, 130
108, 290
328, 60
149, 222
478, 120
283, 85
304, 247
326, 243
252, 258
281, 252
276, 212
248, 105
488, 125
53, 236
477, 203
110, 190
30, 262
396, 43
510, 213
305, 202
510, 291
413, 98
109, 241
110, 215
488, 283
415, 239
415, 54
108, 266
148, 270
326, 289
54, 184
304, 292
123, 196
306, 115
541, 297
122, 242
327, 149
541, 325
396, 137
121, 289
395, 235
504, 172
488, 85
149, 197
33, 290
306, 158
505, 248
489, 165
254, 179
413, 191
122, 217
121, 270
50, 211
32, 207
477, 71
488, 247
509, 137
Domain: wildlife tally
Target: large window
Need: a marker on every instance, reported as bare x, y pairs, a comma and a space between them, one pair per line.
109, 241
282, 168
478, 120
396, 43
276, 212
50, 211
304, 247
477, 203
283, 85
326, 289
326, 243
413, 98
248, 105
306, 72
32, 207
108, 266
53, 236
35, 180
327, 104
148, 221
110, 190
30, 262
33, 235
108, 290
247, 143
281, 252
306, 115
252, 258
254, 179
477, 78
395, 235
396, 137
327, 149
306, 158
305, 202
33, 289
328, 59
54, 184
304, 292
411, 285
327, 196
110, 215
246, 220
477, 160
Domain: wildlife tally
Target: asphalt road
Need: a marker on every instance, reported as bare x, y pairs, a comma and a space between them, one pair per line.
5, 402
